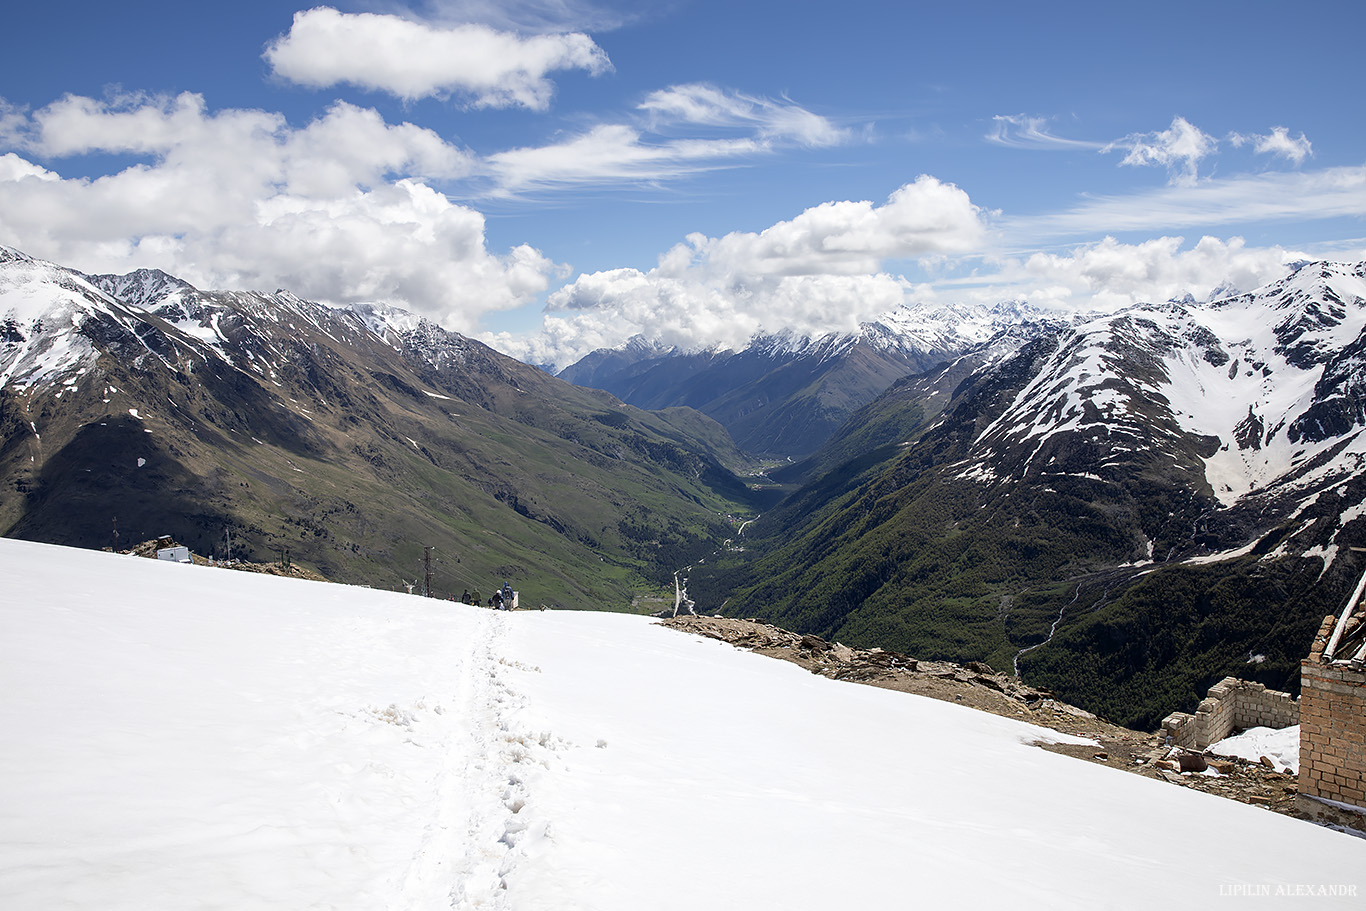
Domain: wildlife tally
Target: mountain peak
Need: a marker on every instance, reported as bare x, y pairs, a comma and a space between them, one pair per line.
141, 287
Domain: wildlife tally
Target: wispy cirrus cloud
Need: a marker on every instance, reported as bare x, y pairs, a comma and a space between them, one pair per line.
1021, 131
1212, 202
609, 154
707, 105
538, 17
413, 59
736, 126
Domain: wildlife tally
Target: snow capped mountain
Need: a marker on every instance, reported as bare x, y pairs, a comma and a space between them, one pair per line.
784, 394
1265, 389
1125, 507
953, 327
46, 307
40, 304
141, 287
1204, 457
140, 405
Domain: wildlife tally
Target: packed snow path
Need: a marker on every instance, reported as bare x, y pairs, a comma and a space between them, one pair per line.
177, 736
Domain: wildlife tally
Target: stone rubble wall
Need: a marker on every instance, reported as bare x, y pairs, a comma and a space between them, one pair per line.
1231, 705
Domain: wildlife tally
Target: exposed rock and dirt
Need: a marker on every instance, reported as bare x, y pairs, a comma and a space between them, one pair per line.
981, 687
291, 569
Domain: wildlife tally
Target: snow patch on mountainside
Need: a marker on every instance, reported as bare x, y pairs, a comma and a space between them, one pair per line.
39, 306
1275, 376
44, 310
950, 327
1277, 348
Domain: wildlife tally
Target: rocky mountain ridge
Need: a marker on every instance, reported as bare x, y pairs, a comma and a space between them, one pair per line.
784, 393
1126, 509
141, 405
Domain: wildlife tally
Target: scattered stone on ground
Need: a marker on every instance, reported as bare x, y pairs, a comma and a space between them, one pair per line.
292, 570
979, 686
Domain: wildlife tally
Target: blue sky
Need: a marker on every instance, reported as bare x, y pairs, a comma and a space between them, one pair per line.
553, 176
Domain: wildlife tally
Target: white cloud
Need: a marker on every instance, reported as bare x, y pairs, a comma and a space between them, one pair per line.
336, 210
619, 152
610, 153
820, 272
807, 277
1110, 274
538, 16
13, 122
1021, 131
1244, 199
13, 169
1278, 143
413, 59
708, 105
1179, 149
924, 218
1281, 144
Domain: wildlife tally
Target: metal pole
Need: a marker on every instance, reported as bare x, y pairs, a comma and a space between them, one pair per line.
1342, 620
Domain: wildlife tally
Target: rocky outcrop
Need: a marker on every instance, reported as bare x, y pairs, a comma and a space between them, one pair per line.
872, 665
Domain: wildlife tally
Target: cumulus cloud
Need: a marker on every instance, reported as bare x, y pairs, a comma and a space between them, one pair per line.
821, 271
1278, 143
703, 295
1179, 149
1110, 274
412, 59
337, 210
923, 218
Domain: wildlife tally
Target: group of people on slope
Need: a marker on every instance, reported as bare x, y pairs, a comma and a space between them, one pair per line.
503, 599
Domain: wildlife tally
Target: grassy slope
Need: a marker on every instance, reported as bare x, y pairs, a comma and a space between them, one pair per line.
893, 548
355, 465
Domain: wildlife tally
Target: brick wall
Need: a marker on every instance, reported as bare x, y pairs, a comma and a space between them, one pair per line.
1231, 705
1332, 731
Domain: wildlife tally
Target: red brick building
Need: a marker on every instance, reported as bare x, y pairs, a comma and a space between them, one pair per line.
1333, 709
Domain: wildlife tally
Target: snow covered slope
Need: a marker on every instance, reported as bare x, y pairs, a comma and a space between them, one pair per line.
178, 736
1272, 380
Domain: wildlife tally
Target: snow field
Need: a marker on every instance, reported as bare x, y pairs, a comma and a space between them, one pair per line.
179, 736
183, 736
730, 780
1280, 745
